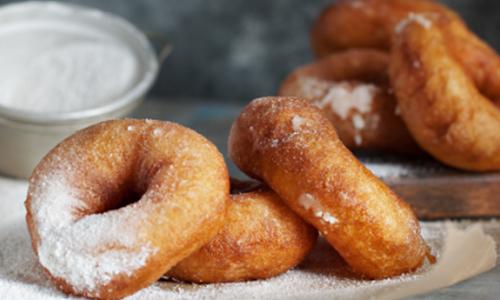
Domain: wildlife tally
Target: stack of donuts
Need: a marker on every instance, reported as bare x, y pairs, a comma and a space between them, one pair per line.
404, 76
123, 203
118, 205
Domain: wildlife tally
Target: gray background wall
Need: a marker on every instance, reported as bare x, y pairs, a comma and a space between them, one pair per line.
240, 49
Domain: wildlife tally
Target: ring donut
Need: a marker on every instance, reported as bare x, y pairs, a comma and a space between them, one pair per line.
115, 206
442, 107
294, 149
261, 238
371, 24
349, 24
352, 89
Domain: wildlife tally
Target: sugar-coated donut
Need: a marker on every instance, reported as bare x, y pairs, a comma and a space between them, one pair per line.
443, 108
291, 146
113, 207
371, 24
352, 89
261, 238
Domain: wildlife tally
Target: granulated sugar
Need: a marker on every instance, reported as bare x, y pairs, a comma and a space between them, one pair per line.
51, 65
323, 275
68, 245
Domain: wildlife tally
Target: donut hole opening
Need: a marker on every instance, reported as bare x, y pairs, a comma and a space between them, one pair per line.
124, 195
129, 190
130, 197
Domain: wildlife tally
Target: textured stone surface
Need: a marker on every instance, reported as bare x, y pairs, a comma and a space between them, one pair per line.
239, 49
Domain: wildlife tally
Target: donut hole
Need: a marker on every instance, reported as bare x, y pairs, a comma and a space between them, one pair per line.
131, 196
115, 198
136, 185
124, 188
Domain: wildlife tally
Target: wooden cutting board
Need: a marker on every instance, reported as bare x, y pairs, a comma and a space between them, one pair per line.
451, 197
437, 192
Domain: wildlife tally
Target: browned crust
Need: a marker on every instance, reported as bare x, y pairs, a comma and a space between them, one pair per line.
443, 108
371, 23
375, 231
183, 169
261, 238
349, 24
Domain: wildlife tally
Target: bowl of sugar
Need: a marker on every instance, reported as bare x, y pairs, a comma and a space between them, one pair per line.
64, 67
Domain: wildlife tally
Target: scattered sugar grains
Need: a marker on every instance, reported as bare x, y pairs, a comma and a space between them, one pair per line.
68, 247
309, 202
359, 124
297, 123
157, 131
322, 274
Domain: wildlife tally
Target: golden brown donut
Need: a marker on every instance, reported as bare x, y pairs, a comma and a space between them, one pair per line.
371, 24
352, 89
444, 110
291, 146
113, 207
349, 24
261, 238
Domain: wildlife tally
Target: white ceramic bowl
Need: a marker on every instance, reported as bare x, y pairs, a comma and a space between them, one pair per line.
25, 137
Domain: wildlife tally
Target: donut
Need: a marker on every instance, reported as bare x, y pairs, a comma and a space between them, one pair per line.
291, 146
113, 207
349, 24
352, 89
371, 24
261, 238
443, 108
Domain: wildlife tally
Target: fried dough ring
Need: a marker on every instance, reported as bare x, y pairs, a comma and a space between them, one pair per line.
371, 24
292, 147
349, 24
261, 238
369, 119
442, 107
91, 235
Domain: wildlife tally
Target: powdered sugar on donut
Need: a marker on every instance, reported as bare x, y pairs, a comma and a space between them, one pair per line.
413, 17
312, 88
73, 248
297, 122
309, 202
343, 97
358, 121
359, 124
